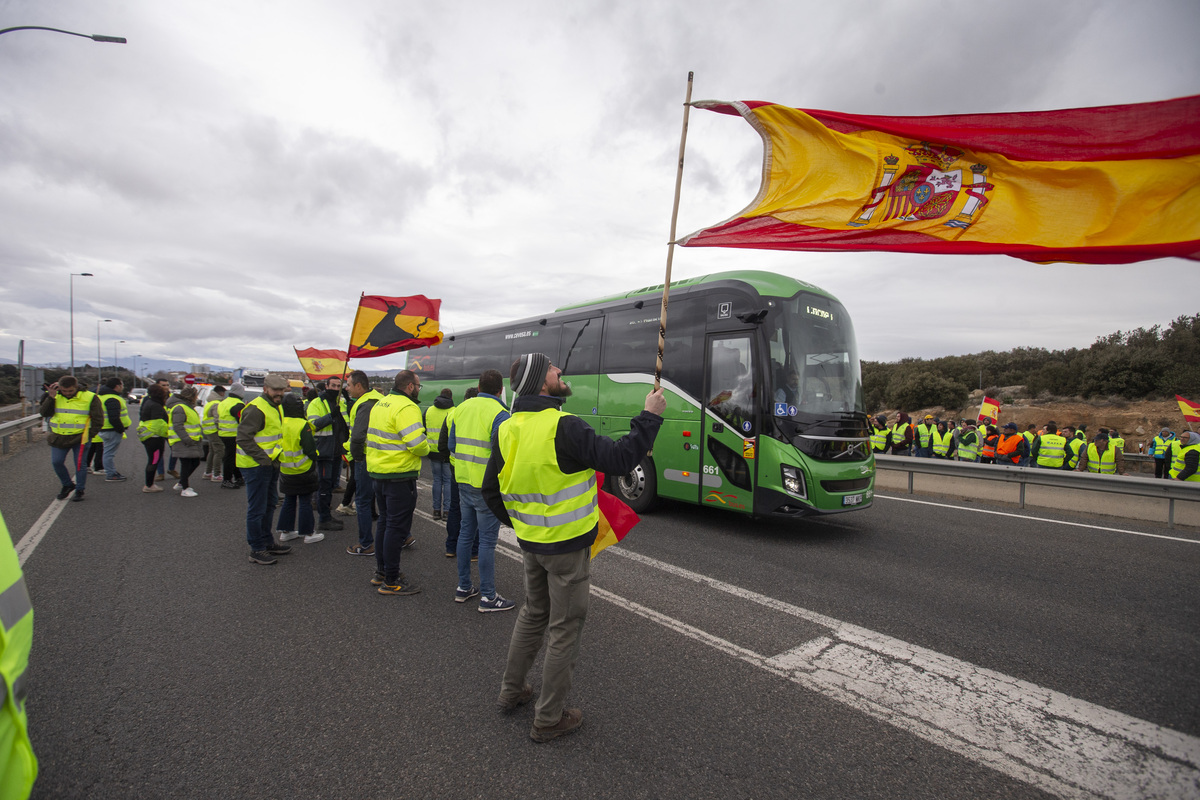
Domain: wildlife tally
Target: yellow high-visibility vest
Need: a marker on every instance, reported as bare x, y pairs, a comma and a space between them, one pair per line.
545, 504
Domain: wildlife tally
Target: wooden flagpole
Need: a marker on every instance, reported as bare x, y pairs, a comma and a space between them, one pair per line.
346, 366
662, 318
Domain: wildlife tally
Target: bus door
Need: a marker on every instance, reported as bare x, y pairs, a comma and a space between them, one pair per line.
730, 429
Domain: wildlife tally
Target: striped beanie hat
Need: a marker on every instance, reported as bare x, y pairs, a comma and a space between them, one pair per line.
530, 374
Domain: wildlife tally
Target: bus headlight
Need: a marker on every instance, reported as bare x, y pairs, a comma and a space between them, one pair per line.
793, 481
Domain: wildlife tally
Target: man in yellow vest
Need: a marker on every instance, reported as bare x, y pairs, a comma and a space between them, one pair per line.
541, 480
1185, 462
259, 446
1100, 457
1162, 449
327, 413
365, 398
439, 460
73, 415
880, 433
229, 411
210, 426
18, 764
1049, 449
472, 431
395, 443
116, 422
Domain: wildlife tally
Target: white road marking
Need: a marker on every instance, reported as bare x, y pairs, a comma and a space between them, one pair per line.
1038, 519
1047, 739
40, 528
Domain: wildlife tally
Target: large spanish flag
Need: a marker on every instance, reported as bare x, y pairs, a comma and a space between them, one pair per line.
1105, 185
386, 325
616, 518
321, 365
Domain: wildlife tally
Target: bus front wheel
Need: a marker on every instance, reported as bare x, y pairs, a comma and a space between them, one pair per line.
639, 487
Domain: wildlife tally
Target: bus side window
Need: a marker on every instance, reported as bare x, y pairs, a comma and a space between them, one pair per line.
488, 351
580, 350
449, 360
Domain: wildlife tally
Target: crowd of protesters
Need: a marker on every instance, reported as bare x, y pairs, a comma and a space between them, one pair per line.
1048, 446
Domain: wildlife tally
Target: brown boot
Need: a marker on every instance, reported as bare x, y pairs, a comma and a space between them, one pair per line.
572, 718
512, 705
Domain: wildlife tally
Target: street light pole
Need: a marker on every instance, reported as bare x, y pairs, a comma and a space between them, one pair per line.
72, 279
116, 366
98, 376
95, 37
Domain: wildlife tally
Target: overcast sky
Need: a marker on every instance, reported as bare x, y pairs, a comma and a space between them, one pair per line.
239, 172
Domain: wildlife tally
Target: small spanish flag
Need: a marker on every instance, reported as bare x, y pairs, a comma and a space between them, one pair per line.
616, 518
385, 325
1106, 185
322, 364
1190, 410
990, 407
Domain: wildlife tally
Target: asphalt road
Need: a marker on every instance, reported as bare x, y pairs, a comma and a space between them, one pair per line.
908, 650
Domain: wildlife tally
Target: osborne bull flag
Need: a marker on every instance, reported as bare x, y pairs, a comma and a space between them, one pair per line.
1106, 185
321, 365
384, 325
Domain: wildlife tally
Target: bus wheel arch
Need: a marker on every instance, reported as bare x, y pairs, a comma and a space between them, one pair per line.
638, 488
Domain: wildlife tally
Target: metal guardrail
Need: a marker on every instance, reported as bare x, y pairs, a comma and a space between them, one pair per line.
1061, 479
26, 424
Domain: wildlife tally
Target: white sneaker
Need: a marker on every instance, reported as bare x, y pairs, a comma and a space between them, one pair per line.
216, 479
208, 476
177, 486
287, 536
94, 471
347, 511
313, 538
189, 492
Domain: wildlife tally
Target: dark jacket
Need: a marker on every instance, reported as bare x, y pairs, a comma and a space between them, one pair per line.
358, 436
441, 453
577, 447
112, 408
95, 417
306, 482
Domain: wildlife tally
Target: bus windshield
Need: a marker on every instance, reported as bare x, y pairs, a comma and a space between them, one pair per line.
813, 360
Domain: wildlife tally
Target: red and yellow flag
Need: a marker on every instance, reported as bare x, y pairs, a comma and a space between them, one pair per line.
386, 325
1190, 410
320, 365
1107, 185
616, 518
990, 407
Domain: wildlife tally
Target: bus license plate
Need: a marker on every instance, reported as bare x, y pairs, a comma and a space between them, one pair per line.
852, 499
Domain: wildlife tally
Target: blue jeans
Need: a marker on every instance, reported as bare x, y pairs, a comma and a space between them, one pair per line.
329, 472
364, 503
296, 505
454, 520
397, 502
262, 495
441, 484
112, 440
58, 455
477, 519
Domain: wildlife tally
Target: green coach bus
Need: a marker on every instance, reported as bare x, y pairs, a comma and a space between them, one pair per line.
761, 375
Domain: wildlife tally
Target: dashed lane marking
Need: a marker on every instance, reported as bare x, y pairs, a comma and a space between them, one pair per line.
1060, 744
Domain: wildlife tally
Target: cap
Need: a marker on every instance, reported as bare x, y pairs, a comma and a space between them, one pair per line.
880, 418
531, 374
275, 382
1009, 425
238, 390
219, 389
929, 416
